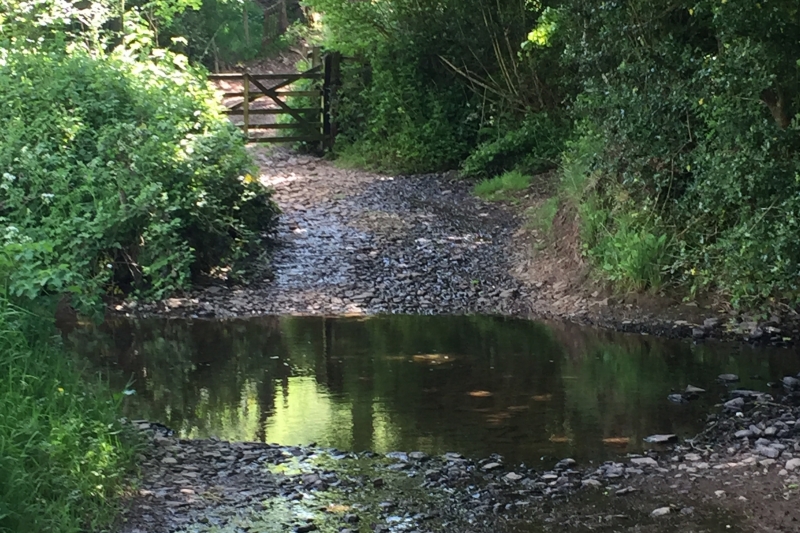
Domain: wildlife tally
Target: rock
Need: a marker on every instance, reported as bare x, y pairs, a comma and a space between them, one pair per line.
351, 518
750, 394
613, 472
676, 398
792, 465
728, 378
768, 451
512, 476
592, 483
417, 456
169, 460
791, 383
306, 528
547, 478
711, 323
661, 439
743, 434
565, 463
644, 461
687, 511
719, 493
661, 511
734, 405
624, 491
698, 333
691, 389
692, 457
488, 467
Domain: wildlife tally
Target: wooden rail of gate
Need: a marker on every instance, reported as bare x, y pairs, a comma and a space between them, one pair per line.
311, 123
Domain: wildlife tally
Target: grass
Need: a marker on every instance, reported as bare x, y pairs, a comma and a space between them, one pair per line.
62, 460
540, 218
501, 187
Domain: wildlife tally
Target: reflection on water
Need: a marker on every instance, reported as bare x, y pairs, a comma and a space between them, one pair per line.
472, 384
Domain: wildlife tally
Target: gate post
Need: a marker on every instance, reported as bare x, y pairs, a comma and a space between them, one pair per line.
246, 104
329, 87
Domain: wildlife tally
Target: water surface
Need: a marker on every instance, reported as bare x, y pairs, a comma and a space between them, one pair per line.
529, 391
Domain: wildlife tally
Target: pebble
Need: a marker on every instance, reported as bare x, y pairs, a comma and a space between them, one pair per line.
661, 511
660, 439
644, 461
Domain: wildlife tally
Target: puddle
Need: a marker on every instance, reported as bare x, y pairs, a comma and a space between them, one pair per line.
477, 385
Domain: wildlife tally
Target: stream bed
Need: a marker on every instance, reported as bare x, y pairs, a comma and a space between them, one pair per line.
531, 392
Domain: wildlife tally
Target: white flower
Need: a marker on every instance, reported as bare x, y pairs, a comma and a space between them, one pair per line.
9, 177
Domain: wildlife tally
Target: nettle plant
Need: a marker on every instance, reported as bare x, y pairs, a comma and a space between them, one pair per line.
119, 173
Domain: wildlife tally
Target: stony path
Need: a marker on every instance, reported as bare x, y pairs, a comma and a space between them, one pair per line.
355, 242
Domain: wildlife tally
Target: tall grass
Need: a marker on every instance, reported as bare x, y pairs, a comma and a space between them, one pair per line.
631, 251
62, 459
503, 186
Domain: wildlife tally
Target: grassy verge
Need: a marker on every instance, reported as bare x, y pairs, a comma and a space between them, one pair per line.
62, 456
502, 187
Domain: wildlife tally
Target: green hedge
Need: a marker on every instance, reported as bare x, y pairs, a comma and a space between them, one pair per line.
120, 173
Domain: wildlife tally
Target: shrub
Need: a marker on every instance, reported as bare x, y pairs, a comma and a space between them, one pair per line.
120, 173
695, 105
533, 146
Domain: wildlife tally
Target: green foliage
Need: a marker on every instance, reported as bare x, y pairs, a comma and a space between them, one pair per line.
61, 454
502, 187
542, 216
693, 104
215, 35
534, 146
387, 112
121, 173
405, 101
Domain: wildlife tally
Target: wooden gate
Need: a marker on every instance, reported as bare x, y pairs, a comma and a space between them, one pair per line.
262, 100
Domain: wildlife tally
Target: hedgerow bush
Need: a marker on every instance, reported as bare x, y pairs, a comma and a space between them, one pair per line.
120, 173
697, 107
535, 145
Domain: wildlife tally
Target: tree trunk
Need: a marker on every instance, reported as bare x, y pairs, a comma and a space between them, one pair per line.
284, 17
776, 102
246, 24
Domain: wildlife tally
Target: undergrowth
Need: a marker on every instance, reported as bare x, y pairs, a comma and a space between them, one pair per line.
62, 451
502, 187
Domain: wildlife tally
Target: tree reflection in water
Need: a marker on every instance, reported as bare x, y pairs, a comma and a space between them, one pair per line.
473, 384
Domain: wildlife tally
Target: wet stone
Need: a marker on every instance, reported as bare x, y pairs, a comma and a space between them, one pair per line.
644, 461
661, 439
767, 451
734, 405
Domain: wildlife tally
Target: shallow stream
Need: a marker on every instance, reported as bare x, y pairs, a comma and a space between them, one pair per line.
532, 392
